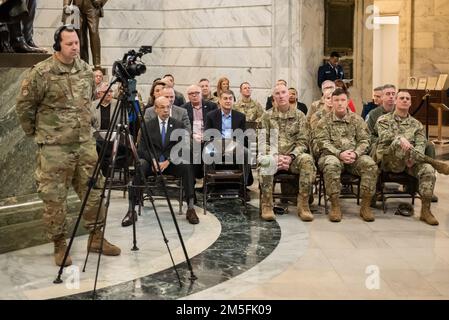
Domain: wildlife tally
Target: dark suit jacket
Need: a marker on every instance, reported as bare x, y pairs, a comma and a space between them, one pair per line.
208, 106
238, 121
154, 132
367, 108
213, 120
327, 72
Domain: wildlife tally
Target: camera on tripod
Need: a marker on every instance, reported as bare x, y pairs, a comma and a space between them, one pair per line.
131, 65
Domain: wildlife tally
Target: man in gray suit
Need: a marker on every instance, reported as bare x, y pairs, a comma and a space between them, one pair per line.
176, 112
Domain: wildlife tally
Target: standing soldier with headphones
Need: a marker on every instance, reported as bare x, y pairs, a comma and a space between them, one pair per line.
53, 106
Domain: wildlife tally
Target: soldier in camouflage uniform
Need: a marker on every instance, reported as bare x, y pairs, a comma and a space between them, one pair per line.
53, 106
343, 140
251, 108
401, 146
287, 140
317, 105
316, 117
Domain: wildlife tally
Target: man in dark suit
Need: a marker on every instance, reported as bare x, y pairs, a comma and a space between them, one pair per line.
377, 101
159, 130
226, 121
331, 70
197, 110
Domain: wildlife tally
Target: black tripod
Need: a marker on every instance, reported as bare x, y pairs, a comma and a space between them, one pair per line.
126, 102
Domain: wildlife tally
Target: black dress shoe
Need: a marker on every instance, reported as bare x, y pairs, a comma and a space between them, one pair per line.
22, 47
33, 45
192, 217
128, 218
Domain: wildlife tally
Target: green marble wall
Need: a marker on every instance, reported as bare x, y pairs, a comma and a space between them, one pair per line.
17, 152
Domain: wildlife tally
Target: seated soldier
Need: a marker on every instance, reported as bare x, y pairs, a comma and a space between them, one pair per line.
247, 105
316, 117
287, 140
160, 129
401, 147
343, 140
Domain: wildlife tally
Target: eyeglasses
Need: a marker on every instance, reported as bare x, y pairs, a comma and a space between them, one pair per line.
193, 93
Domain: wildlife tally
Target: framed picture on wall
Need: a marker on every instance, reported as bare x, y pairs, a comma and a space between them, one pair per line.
431, 83
412, 83
422, 82
441, 83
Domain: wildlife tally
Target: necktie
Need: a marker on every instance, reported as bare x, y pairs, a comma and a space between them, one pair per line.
161, 157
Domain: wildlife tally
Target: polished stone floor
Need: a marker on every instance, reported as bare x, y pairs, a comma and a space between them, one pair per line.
235, 255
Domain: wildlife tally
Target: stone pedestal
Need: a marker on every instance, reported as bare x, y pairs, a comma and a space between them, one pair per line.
21, 223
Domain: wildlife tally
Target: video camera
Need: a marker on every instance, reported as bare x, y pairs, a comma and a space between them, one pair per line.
131, 65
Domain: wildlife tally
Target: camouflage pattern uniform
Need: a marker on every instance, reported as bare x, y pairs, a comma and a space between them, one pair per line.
333, 136
53, 106
389, 153
316, 105
313, 123
251, 108
293, 138
371, 120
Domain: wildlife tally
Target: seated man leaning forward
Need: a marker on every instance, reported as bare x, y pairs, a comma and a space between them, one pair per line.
160, 129
286, 143
400, 148
343, 140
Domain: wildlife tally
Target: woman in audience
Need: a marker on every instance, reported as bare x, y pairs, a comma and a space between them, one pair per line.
222, 85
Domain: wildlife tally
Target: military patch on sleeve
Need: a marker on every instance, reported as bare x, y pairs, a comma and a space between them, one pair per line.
25, 87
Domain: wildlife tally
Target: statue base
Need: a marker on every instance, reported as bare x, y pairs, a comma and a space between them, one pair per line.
21, 60
21, 224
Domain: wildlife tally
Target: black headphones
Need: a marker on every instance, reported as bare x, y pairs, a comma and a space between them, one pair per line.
57, 36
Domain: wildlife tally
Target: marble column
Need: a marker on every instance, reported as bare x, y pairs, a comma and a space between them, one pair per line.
298, 28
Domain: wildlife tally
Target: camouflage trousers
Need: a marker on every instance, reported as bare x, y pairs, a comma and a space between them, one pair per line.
302, 165
58, 168
394, 160
364, 166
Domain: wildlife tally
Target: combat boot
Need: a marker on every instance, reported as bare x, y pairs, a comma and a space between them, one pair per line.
426, 214
60, 249
335, 214
365, 209
267, 208
95, 244
303, 208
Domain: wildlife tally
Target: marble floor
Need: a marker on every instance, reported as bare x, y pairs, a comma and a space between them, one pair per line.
235, 255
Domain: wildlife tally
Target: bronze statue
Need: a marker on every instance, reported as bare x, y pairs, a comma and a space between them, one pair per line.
17, 34
90, 13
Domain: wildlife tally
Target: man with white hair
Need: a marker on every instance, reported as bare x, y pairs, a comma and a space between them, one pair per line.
319, 104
